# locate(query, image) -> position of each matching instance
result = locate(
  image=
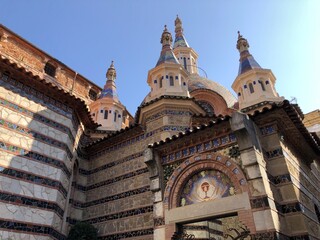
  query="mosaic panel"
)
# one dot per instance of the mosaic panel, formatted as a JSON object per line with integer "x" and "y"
{"x": 30, "y": 228}
{"x": 36, "y": 135}
{"x": 33, "y": 178}
{"x": 37, "y": 117}
{"x": 34, "y": 156}
{"x": 10, "y": 198}
{"x": 205, "y": 186}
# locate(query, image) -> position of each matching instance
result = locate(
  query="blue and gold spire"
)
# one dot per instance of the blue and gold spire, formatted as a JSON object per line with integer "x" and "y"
{"x": 110, "y": 90}
{"x": 180, "y": 40}
{"x": 247, "y": 61}
{"x": 166, "y": 54}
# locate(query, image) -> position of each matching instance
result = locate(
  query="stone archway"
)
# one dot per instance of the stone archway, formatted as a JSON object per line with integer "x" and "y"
{"x": 208, "y": 165}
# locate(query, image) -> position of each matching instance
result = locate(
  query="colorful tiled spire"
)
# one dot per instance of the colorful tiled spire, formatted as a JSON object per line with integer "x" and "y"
{"x": 180, "y": 40}
{"x": 110, "y": 90}
{"x": 247, "y": 62}
{"x": 166, "y": 54}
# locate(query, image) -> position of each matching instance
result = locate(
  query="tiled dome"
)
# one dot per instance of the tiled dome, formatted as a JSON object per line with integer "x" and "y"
{"x": 198, "y": 82}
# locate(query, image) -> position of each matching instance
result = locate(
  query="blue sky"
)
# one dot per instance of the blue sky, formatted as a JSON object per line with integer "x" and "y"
{"x": 284, "y": 36}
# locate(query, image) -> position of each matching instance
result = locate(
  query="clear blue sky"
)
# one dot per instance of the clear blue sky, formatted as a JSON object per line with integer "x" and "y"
{"x": 284, "y": 36}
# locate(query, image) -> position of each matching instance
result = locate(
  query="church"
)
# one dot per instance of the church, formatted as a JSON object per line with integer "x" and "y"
{"x": 194, "y": 161}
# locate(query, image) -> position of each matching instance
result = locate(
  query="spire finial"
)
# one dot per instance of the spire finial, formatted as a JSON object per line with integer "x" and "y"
{"x": 111, "y": 73}
{"x": 242, "y": 43}
{"x": 239, "y": 36}
{"x": 178, "y": 27}
{"x": 166, "y": 38}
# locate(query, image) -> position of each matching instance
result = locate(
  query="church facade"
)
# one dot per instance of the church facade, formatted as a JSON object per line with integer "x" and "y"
{"x": 194, "y": 162}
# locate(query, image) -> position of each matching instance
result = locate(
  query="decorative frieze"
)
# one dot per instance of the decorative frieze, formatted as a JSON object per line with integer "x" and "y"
{"x": 261, "y": 202}
{"x": 274, "y": 153}
{"x": 168, "y": 112}
{"x": 197, "y": 148}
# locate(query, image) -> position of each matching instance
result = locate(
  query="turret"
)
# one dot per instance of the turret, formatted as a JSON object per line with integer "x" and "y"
{"x": 107, "y": 110}
{"x": 168, "y": 77}
{"x": 253, "y": 84}
{"x": 186, "y": 56}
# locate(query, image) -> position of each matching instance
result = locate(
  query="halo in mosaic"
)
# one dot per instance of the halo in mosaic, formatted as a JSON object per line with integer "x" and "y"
{"x": 206, "y": 185}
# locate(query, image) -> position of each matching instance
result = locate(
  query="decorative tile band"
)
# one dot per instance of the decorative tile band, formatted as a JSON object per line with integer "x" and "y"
{"x": 37, "y": 117}
{"x": 110, "y": 181}
{"x": 168, "y": 112}
{"x": 39, "y": 98}
{"x": 34, "y": 156}
{"x": 33, "y": 178}
{"x": 214, "y": 143}
{"x": 30, "y": 228}
{"x": 110, "y": 198}
{"x": 137, "y": 233}
{"x": 36, "y": 135}
{"x": 158, "y": 222}
{"x": 266, "y": 130}
{"x": 111, "y": 164}
{"x": 129, "y": 213}
{"x": 274, "y": 153}
{"x": 30, "y": 202}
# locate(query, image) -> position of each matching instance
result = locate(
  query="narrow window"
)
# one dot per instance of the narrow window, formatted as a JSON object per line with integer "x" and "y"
{"x": 262, "y": 85}
{"x": 185, "y": 63}
{"x": 50, "y": 69}
{"x": 105, "y": 114}
{"x": 171, "y": 81}
{"x": 160, "y": 84}
{"x": 251, "y": 88}
{"x": 115, "y": 117}
{"x": 101, "y": 111}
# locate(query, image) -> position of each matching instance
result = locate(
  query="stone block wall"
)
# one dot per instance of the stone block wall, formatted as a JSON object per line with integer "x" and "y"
{"x": 37, "y": 149}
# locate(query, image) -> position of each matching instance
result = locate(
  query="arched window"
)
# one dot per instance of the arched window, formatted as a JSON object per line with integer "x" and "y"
{"x": 50, "y": 69}
{"x": 171, "y": 81}
{"x": 251, "y": 88}
{"x": 92, "y": 95}
{"x": 106, "y": 114}
{"x": 262, "y": 85}
{"x": 207, "y": 106}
